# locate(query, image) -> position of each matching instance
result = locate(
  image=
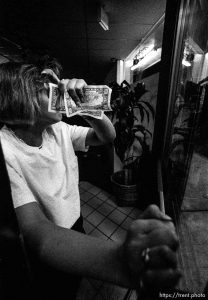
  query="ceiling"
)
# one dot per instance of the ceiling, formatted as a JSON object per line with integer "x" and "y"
{"x": 69, "y": 30}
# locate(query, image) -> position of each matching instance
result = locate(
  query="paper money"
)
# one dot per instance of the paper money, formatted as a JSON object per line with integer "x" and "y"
{"x": 98, "y": 114}
{"x": 56, "y": 100}
{"x": 96, "y": 101}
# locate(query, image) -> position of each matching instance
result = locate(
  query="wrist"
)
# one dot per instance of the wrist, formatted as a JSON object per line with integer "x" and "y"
{"x": 132, "y": 255}
{"x": 130, "y": 277}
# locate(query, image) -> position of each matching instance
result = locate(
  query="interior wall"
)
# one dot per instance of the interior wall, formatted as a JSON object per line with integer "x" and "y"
{"x": 111, "y": 75}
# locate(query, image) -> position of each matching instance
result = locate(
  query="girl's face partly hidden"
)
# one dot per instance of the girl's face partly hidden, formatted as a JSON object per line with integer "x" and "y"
{"x": 46, "y": 117}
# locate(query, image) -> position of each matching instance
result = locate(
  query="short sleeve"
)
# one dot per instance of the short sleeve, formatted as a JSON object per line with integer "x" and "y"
{"x": 21, "y": 193}
{"x": 77, "y": 135}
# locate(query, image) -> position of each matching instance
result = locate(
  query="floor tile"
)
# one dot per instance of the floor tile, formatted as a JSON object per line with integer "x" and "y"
{"x": 126, "y": 210}
{"x": 95, "y": 218}
{"x": 88, "y": 227}
{"x": 95, "y": 202}
{"x": 97, "y": 233}
{"x": 119, "y": 235}
{"x": 94, "y": 190}
{"x": 103, "y": 195}
{"x": 117, "y": 216}
{"x": 82, "y": 202}
{"x": 86, "y": 196}
{"x": 111, "y": 202}
{"x": 135, "y": 213}
{"x": 133, "y": 295}
{"x": 107, "y": 227}
{"x": 86, "y": 210}
{"x": 81, "y": 190}
{"x": 113, "y": 198}
{"x": 99, "y": 209}
{"x": 105, "y": 209}
{"x": 127, "y": 222}
{"x": 85, "y": 185}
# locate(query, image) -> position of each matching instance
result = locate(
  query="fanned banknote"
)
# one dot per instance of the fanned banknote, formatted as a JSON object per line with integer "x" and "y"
{"x": 96, "y": 101}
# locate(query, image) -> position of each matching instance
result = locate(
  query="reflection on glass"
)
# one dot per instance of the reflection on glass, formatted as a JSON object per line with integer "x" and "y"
{"x": 188, "y": 150}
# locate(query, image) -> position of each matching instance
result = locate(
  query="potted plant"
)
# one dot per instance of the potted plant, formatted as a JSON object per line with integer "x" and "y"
{"x": 131, "y": 117}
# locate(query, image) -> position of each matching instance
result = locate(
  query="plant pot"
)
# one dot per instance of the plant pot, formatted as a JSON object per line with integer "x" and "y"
{"x": 125, "y": 187}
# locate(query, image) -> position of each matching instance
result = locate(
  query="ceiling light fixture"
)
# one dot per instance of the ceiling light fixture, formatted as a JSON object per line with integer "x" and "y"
{"x": 136, "y": 61}
{"x": 103, "y": 18}
{"x": 148, "y": 60}
{"x": 188, "y": 59}
{"x": 188, "y": 55}
{"x": 186, "y": 63}
{"x": 142, "y": 53}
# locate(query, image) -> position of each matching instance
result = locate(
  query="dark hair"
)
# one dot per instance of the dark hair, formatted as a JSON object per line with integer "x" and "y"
{"x": 48, "y": 62}
{"x": 42, "y": 59}
{"x": 19, "y": 93}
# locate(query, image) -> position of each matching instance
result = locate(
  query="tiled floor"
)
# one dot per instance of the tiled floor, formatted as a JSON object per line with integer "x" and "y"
{"x": 104, "y": 219}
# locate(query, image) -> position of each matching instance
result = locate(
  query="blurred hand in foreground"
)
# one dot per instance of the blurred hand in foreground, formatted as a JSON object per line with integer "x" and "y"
{"x": 150, "y": 250}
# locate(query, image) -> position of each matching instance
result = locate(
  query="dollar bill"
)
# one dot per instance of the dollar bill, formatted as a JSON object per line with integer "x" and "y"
{"x": 98, "y": 114}
{"x": 96, "y": 101}
{"x": 56, "y": 100}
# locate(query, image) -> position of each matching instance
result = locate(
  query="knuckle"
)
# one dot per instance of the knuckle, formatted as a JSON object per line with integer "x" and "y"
{"x": 133, "y": 226}
{"x": 80, "y": 80}
{"x": 152, "y": 208}
{"x": 164, "y": 249}
{"x": 166, "y": 230}
{"x": 84, "y": 83}
{"x": 172, "y": 234}
{"x": 64, "y": 81}
{"x": 80, "y": 84}
{"x": 70, "y": 88}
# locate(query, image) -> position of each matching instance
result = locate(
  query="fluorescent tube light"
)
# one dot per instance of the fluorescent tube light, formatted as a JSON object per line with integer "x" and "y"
{"x": 104, "y": 25}
{"x": 103, "y": 18}
{"x": 134, "y": 67}
{"x": 150, "y": 59}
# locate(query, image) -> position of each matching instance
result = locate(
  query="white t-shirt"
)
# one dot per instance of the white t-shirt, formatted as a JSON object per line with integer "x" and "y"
{"x": 47, "y": 175}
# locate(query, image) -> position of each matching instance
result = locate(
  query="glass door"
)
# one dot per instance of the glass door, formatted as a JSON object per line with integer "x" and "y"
{"x": 185, "y": 155}
{"x": 181, "y": 138}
